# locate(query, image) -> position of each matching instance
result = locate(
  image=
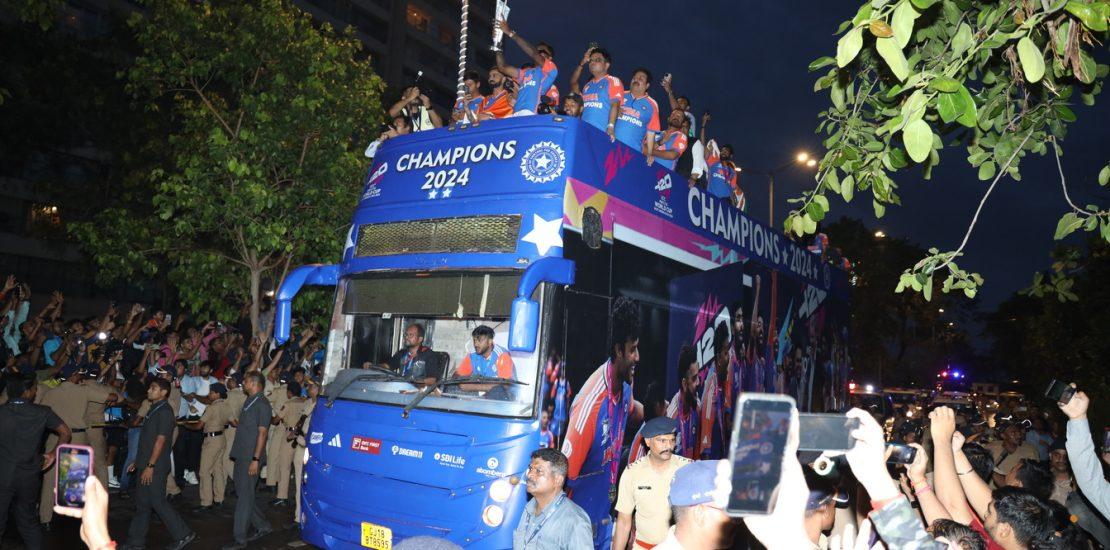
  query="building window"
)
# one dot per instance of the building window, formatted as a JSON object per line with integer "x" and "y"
{"x": 45, "y": 222}
{"x": 417, "y": 18}
{"x": 446, "y": 36}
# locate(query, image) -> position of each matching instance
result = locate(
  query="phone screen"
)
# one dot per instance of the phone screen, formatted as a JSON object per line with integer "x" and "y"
{"x": 825, "y": 432}
{"x": 1059, "y": 391}
{"x": 901, "y": 454}
{"x": 758, "y": 444}
{"x": 74, "y": 464}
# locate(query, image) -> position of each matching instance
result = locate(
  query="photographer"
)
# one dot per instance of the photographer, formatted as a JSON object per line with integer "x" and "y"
{"x": 417, "y": 109}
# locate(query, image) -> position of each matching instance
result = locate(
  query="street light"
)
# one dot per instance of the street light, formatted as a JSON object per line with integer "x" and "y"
{"x": 941, "y": 310}
{"x": 880, "y": 234}
{"x": 801, "y": 159}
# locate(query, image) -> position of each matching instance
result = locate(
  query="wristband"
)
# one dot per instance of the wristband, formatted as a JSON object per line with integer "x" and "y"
{"x": 924, "y": 482}
{"x": 108, "y": 546}
{"x": 150, "y": 466}
{"x": 924, "y": 489}
{"x": 965, "y": 473}
{"x": 611, "y": 125}
{"x": 254, "y": 459}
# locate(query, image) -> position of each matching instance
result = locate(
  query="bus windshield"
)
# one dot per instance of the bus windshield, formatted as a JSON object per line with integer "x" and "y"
{"x": 394, "y": 335}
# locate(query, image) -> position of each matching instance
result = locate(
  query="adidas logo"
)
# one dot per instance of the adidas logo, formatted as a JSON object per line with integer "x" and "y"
{"x": 335, "y": 442}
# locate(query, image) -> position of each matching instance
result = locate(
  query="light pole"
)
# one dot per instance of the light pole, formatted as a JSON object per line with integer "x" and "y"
{"x": 801, "y": 159}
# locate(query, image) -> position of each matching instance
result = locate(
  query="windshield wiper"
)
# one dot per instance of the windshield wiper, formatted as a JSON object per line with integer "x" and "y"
{"x": 377, "y": 373}
{"x": 476, "y": 379}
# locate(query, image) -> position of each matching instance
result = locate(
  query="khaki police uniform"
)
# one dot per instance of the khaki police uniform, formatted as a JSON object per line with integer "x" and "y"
{"x": 277, "y": 397}
{"x": 235, "y": 400}
{"x": 94, "y": 415}
{"x": 298, "y": 456}
{"x": 69, "y": 401}
{"x": 213, "y": 477}
{"x": 646, "y": 491}
{"x": 289, "y": 413}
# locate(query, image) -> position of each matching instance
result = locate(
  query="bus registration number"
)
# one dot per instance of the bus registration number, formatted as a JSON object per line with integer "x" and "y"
{"x": 376, "y": 536}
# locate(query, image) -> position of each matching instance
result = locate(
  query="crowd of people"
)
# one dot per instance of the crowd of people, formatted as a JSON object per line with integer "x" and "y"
{"x": 163, "y": 401}
{"x": 667, "y": 137}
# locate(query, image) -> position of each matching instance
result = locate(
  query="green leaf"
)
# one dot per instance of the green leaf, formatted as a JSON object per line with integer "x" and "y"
{"x": 1092, "y": 18}
{"x": 1067, "y": 225}
{"x": 963, "y": 41}
{"x": 914, "y": 107}
{"x": 821, "y": 62}
{"x": 918, "y": 138}
{"x": 987, "y": 170}
{"x": 833, "y": 183}
{"x": 1088, "y": 69}
{"x": 797, "y": 225}
{"x": 927, "y": 289}
{"x": 1032, "y": 60}
{"x": 970, "y": 116}
{"x": 848, "y": 46}
{"x": 890, "y": 52}
{"x": 880, "y": 210}
{"x": 1104, "y": 175}
{"x": 957, "y": 106}
{"x": 1066, "y": 114}
{"x": 902, "y": 23}
{"x": 945, "y": 84}
{"x": 808, "y": 224}
{"x": 836, "y": 94}
{"x": 814, "y": 212}
{"x": 863, "y": 15}
{"x": 848, "y": 188}
{"x": 923, "y": 4}
{"x": 822, "y": 201}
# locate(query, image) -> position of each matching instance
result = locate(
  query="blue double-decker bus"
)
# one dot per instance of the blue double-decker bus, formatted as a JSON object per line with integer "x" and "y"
{"x": 533, "y": 227}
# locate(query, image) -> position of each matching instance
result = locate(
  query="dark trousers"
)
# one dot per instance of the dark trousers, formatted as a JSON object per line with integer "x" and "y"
{"x": 246, "y": 509}
{"x": 186, "y": 455}
{"x": 20, "y": 494}
{"x": 152, "y": 498}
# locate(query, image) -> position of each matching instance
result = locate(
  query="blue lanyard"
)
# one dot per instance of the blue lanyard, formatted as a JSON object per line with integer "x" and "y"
{"x": 151, "y": 412}
{"x": 550, "y": 512}
{"x": 254, "y": 398}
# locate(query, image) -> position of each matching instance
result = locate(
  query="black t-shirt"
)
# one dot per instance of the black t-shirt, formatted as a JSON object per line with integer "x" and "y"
{"x": 424, "y": 365}
{"x": 21, "y": 429}
{"x": 159, "y": 421}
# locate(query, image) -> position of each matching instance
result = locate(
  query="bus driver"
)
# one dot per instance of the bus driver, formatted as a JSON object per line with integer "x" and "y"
{"x": 415, "y": 360}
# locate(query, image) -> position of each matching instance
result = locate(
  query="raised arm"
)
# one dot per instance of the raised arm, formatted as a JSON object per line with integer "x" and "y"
{"x": 410, "y": 94}
{"x": 977, "y": 491}
{"x": 704, "y": 123}
{"x": 1081, "y": 454}
{"x": 931, "y": 506}
{"x": 946, "y": 481}
{"x": 520, "y": 41}
{"x": 575, "y": 87}
{"x": 670, "y": 93}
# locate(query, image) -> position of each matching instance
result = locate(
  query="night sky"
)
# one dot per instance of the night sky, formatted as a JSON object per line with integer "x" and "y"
{"x": 746, "y": 62}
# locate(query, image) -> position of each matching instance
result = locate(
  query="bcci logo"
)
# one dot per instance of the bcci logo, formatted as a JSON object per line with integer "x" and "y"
{"x": 542, "y": 162}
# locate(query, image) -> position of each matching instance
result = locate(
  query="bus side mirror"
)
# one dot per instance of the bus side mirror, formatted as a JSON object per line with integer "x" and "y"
{"x": 524, "y": 325}
{"x": 524, "y": 322}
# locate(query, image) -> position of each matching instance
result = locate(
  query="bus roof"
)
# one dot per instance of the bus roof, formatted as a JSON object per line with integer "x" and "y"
{"x": 501, "y": 194}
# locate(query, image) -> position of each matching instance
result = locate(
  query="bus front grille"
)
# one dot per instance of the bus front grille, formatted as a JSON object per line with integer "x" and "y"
{"x": 441, "y": 235}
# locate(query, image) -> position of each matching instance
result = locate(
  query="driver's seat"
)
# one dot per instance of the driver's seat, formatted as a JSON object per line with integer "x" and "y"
{"x": 444, "y": 359}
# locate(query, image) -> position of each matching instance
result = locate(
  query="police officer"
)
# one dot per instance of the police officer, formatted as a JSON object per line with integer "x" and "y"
{"x": 69, "y": 400}
{"x": 94, "y": 419}
{"x": 235, "y": 400}
{"x": 645, "y": 487}
{"x": 152, "y": 465}
{"x": 213, "y": 478}
{"x": 285, "y": 425}
{"x": 22, "y": 424}
{"x": 247, "y": 452}
{"x": 300, "y": 440}
{"x": 277, "y": 396}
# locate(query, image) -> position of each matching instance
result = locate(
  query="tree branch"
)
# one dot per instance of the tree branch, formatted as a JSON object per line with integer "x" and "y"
{"x": 212, "y": 108}
{"x": 983, "y": 201}
{"x": 1063, "y": 182}
{"x": 239, "y": 123}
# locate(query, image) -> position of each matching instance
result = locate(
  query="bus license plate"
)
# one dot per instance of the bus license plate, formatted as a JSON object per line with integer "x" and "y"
{"x": 376, "y": 536}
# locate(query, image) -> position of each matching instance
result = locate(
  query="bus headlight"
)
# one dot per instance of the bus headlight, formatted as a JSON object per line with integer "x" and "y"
{"x": 493, "y": 515}
{"x": 500, "y": 490}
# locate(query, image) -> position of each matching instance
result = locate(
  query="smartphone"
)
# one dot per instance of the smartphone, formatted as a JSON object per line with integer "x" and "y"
{"x": 902, "y": 454}
{"x": 74, "y": 466}
{"x": 1106, "y": 441}
{"x": 1059, "y": 392}
{"x": 826, "y": 432}
{"x": 757, "y": 451}
{"x": 169, "y": 318}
